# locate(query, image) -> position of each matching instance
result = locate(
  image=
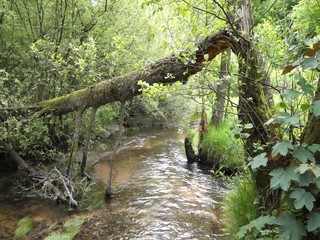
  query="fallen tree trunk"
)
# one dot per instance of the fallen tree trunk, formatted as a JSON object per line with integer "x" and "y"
{"x": 14, "y": 155}
{"x": 168, "y": 70}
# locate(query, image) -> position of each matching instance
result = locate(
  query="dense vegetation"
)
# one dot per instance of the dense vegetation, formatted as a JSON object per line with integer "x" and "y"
{"x": 262, "y": 93}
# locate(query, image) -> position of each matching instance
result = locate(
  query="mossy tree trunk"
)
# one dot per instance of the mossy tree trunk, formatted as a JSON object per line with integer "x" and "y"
{"x": 311, "y": 133}
{"x": 75, "y": 142}
{"x": 168, "y": 70}
{"x": 254, "y": 105}
{"x": 218, "y": 108}
{"x": 87, "y": 139}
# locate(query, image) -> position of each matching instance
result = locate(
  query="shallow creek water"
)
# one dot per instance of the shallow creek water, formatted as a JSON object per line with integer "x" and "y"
{"x": 158, "y": 195}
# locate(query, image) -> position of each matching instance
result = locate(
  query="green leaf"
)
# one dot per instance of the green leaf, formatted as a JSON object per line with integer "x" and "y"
{"x": 260, "y": 160}
{"x": 290, "y": 227}
{"x": 305, "y": 106}
{"x": 314, "y": 148}
{"x": 294, "y": 120}
{"x": 303, "y": 168}
{"x": 310, "y": 62}
{"x": 302, "y": 154}
{"x": 291, "y": 94}
{"x": 315, "y": 169}
{"x": 313, "y": 222}
{"x": 282, "y": 178}
{"x": 302, "y": 198}
{"x": 306, "y": 179}
{"x": 260, "y": 222}
{"x": 315, "y": 108}
{"x": 282, "y": 148}
{"x": 305, "y": 86}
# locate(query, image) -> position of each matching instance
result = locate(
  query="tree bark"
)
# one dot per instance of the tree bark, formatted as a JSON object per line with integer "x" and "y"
{"x": 14, "y": 155}
{"x": 219, "y": 105}
{"x": 75, "y": 142}
{"x": 311, "y": 132}
{"x": 168, "y": 70}
{"x": 87, "y": 140}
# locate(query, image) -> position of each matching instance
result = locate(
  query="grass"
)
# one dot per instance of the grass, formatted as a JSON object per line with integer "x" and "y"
{"x": 70, "y": 230}
{"x": 25, "y": 225}
{"x": 220, "y": 146}
{"x": 239, "y": 206}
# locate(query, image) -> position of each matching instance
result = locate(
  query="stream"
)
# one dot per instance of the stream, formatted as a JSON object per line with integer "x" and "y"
{"x": 157, "y": 195}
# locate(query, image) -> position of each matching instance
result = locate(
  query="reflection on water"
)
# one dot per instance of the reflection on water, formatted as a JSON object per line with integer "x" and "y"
{"x": 158, "y": 196}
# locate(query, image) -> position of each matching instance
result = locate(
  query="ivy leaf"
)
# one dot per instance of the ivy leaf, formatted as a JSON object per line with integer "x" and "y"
{"x": 302, "y": 198}
{"x": 303, "y": 154}
{"x": 314, "y": 148}
{"x": 282, "y": 178}
{"x": 313, "y": 222}
{"x": 310, "y": 62}
{"x": 315, "y": 108}
{"x": 290, "y": 227}
{"x": 260, "y": 160}
{"x": 282, "y": 148}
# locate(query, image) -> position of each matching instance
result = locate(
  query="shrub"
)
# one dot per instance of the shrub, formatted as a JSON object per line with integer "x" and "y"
{"x": 220, "y": 146}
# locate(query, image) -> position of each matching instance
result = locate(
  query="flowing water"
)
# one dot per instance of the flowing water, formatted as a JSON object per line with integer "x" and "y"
{"x": 157, "y": 194}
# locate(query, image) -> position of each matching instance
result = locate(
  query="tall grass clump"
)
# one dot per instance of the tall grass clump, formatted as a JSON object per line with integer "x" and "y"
{"x": 240, "y": 205}
{"x": 220, "y": 146}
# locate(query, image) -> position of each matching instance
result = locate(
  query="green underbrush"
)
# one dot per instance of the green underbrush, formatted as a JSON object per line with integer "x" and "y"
{"x": 220, "y": 146}
{"x": 240, "y": 205}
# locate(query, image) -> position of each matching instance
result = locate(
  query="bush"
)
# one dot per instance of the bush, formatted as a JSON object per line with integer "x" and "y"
{"x": 220, "y": 146}
{"x": 240, "y": 205}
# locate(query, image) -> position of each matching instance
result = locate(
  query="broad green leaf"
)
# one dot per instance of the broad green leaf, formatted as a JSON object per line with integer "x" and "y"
{"x": 305, "y": 106}
{"x": 260, "y": 160}
{"x": 302, "y": 198}
{"x": 260, "y": 222}
{"x": 242, "y": 232}
{"x": 313, "y": 222}
{"x": 315, "y": 108}
{"x": 294, "y": 120}
{"x": 306, "y": 179}
{"x": 310, "y": 62}
{"x": 305, "y": 86}
{"x": 303, "y": 168}
{"x": 281, "y": 148}
{"x": 282, "y": 178}
{"x": 290, "y": 227}
{"x": 291, "y": 94}
{"x": 315, "y": 169}
{"x": 314, "y": 148}
{"x": 302, "y": 154}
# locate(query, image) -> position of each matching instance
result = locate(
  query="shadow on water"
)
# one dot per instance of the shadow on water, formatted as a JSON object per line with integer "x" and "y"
{"x": 157, "y": 195}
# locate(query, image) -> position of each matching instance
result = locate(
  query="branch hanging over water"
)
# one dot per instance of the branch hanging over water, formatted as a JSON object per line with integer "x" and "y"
{"x": 168, "y": 70}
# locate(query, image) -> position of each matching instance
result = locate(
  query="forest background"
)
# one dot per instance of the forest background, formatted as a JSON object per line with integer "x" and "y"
{"x": 266, "y": 91}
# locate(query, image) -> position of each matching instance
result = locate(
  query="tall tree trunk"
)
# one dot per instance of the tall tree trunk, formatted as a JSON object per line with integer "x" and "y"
{"x": 253, "y": 104}
{"x": 75, "y": 142}
{"x": 219, "y": 104}
{"x": 311, "y": 133}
